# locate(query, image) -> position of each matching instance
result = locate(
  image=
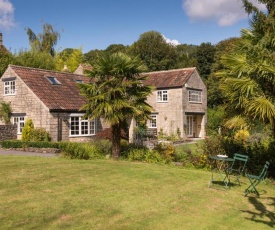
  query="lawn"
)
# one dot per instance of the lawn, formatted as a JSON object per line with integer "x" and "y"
{"x": 58, "y": 193}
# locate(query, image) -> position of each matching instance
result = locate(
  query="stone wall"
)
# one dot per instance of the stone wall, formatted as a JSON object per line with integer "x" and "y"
{"x": 8, "y": 132}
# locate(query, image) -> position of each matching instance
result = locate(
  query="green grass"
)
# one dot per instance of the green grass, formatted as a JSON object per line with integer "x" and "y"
{"x": 57, "y": 193}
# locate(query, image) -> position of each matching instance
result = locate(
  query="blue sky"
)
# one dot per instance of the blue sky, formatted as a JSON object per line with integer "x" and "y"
{"x": 96, "y": 24}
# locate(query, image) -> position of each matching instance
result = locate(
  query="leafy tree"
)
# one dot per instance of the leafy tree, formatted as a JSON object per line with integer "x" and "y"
{"x": 5, "y": 111}
{"x": 153, "y": 50}
{"x": 249, "y": 74}
{"x": 92, "y": 56}
{"x": 186, "y": 56}
{"x": 117, "y": 93}
{"x": 215, "y": 96}
{"x": 69, "y": 57}
{"x": 35, "y": 59}
{"x": 44, "y": 42}
{"x": 5, "y": 60}
{"x": 115, "y": 48}
{"x": 205, "y": 58}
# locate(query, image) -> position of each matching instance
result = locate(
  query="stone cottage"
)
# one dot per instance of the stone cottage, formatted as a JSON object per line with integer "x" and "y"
{"x": 51, "y": 99}
{"x": 179, "y": 103}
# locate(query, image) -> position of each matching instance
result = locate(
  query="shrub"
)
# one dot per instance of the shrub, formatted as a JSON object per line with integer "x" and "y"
{"x": 75, "y": 150}
{"x": 104, "y": 146}
{"x": 27, "y": 131}
{"x": 40, "y": 134}
{"x": 144, "y": 155}
{"x": 26, "y": 144}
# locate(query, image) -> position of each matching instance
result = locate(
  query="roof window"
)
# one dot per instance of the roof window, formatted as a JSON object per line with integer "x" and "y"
{"x": 53, "y": 80}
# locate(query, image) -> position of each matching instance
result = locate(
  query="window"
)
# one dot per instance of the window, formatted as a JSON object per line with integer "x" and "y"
{"x": 53, "y": 80}
{"x": 9, "y": 88}
{"x": 195, "y": 96}
{"x": 20, "y": 122}
{"x": 162, "y": 96}
{"x": 81, "y": 127}
{"x": 78, "y": 81}
{"x": 153, "y": 122}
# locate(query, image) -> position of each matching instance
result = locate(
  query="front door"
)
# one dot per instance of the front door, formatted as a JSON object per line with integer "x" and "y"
{"x": 190, "y": 125}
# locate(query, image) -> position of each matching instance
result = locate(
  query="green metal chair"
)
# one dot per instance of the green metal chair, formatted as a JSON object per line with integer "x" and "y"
{"x": 255, "y": 180}
{"x": 237, "y": 167}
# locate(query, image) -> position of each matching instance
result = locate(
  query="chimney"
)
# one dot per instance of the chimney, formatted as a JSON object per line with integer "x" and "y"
{"x": 1, "y": 39}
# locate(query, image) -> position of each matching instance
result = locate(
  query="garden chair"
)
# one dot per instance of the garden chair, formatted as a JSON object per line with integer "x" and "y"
{"x": 255, "y": 180}
{"x": 237, "y": 167}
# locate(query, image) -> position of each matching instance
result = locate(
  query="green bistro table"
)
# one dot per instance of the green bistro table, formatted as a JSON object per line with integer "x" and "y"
{"x": 220, "y": 162}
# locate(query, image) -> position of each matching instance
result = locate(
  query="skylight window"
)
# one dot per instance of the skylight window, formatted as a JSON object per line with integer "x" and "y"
{"x": 78, "y": 81}
{"x": 53, "y": 80}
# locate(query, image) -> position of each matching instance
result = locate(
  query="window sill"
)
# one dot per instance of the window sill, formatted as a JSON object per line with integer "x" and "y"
{"x": 85, "y": 135}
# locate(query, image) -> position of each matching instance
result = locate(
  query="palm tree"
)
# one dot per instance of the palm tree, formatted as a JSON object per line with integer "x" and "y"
{"x": 249, "y": 74}
{"x": 117, "y": 93}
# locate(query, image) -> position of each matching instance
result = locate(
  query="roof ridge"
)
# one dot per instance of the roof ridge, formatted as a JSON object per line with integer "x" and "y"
{"x": 170, "y": 70}
{"x": 44, "y": 70}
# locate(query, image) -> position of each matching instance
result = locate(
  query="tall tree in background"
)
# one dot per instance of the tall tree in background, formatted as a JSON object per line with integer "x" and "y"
{"x": 249, "y": 74}
{"x": 5, "y": 60}
{"x": 154, "y": 51}
{"x": 117, "y": 93}
{"x": 69, "y": 57}
{"x": 186, "y": 56}
{"x": 44, "y": 42}
{"x": 35, "y": 59}
{"x": 215, "y": 96}
{"x": 205, "y": 58}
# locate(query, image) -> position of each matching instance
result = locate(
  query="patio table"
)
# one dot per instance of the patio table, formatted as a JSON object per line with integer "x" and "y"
{"x": 220, "y": 163}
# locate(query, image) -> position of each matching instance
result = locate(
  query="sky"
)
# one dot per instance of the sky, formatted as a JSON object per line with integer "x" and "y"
{"x": 96, "y": 24}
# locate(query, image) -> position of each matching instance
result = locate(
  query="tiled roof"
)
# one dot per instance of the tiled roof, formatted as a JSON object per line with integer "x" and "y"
{"x": 65, "y": 96}
{"x": 169, "y": 78}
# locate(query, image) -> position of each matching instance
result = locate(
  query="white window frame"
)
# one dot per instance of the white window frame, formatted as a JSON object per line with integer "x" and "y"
{"x": 20, "y": 122}
{"x": 81, "y": 127}
{"x": 153, "y": 122}
{"x": 9, "y": 87}
{"x": 162, "y": 96}
{"x": 195, "y": 96}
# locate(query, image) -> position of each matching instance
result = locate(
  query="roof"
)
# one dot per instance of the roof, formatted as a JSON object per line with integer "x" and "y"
{"x": 64, "y": 96}
{"x": 169, "y": 78}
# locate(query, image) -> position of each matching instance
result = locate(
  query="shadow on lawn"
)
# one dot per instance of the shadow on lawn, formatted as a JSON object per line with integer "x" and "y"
{"x": 262, "y": 211}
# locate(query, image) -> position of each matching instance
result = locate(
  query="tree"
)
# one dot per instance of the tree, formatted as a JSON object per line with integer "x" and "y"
{"x": 205, "y": 58}
{"x": 5, "y": 60}
{"x": 5, "y": 111}
{"x": 215, "y": 96}
{"x": 117, "y": 93}
{"x": 92, "y": 56}
{"x": 35, "y": 59}
{"x": 186, "y": 56}
{"x": 154, "y": 51}
{"x": 115, "y": 48}
{"x": 69, "y": 57}
{"x": 249, "y": 73}
{"x": 44, "y": 42}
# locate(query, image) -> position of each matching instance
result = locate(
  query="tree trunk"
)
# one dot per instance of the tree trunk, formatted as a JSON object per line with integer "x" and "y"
{"x": 116, "y": 137}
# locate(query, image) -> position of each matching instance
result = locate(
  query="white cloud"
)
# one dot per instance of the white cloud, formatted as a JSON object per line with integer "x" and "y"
{"x": 6, "y": 14}
{"x": 225, "y": 12}
{"x": 173, "y": 42}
